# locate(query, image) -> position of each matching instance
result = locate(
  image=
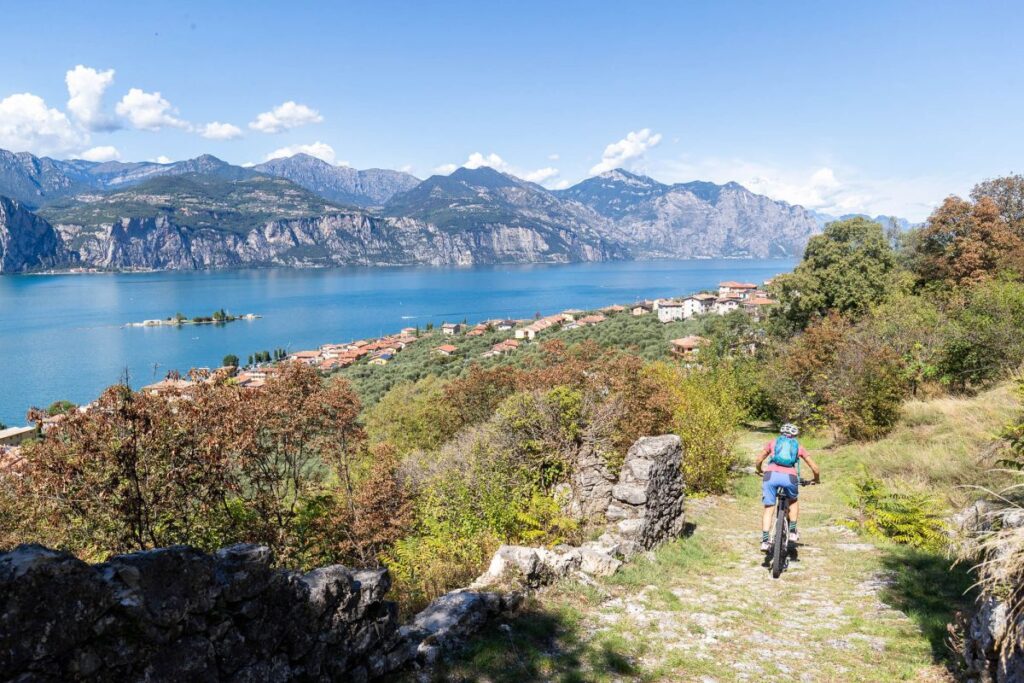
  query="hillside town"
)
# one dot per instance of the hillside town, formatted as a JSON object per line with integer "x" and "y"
{"x": 330, "y": 357}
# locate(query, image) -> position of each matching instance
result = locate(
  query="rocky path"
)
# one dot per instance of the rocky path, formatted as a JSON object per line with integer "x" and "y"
{"x": 705, "y": 609}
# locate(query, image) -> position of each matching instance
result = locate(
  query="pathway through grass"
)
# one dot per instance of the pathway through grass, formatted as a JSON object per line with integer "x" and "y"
{"x": 703, "y": 608}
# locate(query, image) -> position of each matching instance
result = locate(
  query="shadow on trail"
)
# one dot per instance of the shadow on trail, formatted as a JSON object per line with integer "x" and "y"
{"x": 538, "y": 645}
{"x": 928, "y": 590}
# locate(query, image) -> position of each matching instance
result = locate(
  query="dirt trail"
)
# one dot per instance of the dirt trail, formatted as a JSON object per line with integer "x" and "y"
{"x": 703, "y": 608}
{"x": 726, "y": 619}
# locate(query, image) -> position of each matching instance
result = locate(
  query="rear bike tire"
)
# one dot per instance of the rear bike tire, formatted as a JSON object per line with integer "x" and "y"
{"x": 779, "y": 546}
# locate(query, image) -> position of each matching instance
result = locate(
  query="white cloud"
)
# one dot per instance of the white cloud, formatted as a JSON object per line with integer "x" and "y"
{"x": 220, "y": 131}
{"x": 284, "y": 117}
{"x": 407, "y": 168}
{"x": 28, "y": 125}
{"x": 554, "y": 157}
{"x": 102, "y": 153}
{"x": 149, "y": 111}
{"x": 547, "y": 176}
{"x": 478, "y": 160}
{"x": 86, "y": 87}
{"x": 163, "y": 160}
{"x": 320, "y": 150}
{"x": 634, "y": 145}
{"x": 541, "y": 175}
{"x": 832, "y": 189}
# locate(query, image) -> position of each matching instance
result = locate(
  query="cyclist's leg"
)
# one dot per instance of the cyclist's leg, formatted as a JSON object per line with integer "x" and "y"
{"x": 768, "y": 500}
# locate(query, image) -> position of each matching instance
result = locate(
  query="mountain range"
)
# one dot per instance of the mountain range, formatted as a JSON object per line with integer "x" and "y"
{"x": 303, "y": 212}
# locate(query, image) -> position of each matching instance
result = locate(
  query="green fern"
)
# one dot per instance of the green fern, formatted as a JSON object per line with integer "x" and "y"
{"x": 905, "y": 517}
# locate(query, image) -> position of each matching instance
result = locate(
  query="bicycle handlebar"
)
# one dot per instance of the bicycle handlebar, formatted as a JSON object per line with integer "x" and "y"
{"x": 803, "y": 482}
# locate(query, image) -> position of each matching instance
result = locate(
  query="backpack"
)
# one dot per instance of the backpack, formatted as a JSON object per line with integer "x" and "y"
{"x": 787, "y": 451}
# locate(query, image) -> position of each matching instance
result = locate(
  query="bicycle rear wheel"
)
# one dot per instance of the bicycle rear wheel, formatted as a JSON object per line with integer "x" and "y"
{"x": 780, "y": 542}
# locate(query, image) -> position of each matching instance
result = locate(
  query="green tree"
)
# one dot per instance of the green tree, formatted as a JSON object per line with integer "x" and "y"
{"x": 413, "y": 415}
{"x": 846, "y": 269}
{"x": 230, "y": 360}
{"x": 60, "y": 407}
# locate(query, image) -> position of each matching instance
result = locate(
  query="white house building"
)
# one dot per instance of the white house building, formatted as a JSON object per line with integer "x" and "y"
{"x": 669, "y": 311}
{"x": 723, "y": 306}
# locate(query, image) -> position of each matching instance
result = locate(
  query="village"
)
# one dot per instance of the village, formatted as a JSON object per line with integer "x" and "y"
{"x": 331, "y": 357}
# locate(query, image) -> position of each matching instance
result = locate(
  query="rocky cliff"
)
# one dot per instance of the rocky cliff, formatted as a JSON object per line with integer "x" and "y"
{"x": 694, "y": 220}
{"x": 27, "y": 242}
{"x": 338, "y": 239}
{"x": 303, "y": 212}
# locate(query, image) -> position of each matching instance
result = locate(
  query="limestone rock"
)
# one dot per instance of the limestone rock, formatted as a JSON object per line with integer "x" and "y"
{"x": 180, "y": 614}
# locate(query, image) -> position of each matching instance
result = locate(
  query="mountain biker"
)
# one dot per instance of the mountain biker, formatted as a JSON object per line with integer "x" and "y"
{"x": 784, "y": 454}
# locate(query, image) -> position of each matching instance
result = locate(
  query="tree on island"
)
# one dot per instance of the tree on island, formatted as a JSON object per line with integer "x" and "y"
{"x": 230, "y": 361}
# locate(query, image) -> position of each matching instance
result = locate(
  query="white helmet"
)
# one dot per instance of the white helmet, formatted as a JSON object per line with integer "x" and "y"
{"x": 789, "y": 429}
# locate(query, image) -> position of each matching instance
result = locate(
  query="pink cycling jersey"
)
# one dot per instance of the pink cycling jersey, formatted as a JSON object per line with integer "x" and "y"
{"x": 769, "y": 448}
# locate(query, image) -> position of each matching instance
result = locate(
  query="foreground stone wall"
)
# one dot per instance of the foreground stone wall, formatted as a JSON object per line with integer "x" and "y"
{"x": 178, "y": 614}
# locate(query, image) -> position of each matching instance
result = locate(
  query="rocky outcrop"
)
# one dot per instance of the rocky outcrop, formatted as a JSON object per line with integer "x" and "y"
{"x": 27, "y": 242}
{"x": 991, "y": 648}
{"x": 988, "y": 654}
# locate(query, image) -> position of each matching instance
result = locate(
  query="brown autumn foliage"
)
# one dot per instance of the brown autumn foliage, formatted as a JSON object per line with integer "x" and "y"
{"x": 213, "y": 465}
{"x": 476, "y": 396}
{"x": 967, "y": 242}
{"x": 1008, "y": 194}
{"x": 381, "y": 512}
{"x": 839, "y": 374}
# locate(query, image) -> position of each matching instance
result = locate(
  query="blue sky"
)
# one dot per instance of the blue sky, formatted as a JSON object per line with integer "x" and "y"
{"x": 869, "y": 106}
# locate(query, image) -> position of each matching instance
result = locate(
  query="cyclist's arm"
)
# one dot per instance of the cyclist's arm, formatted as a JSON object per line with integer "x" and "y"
{"x": 813, "y": 465}
{"x": 760, "y": 459}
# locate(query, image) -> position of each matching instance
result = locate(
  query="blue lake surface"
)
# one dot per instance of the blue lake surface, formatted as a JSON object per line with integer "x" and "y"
{"x": 63, "y": 336}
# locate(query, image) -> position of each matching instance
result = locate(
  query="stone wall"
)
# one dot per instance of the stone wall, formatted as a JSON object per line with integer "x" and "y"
{"x": 643, "y": 507}
{"x": 988, "y": 656}
{"x": 176, "y": 614}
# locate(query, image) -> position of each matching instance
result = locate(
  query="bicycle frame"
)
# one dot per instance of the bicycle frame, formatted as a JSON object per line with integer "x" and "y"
{"x": 778, "y": 551}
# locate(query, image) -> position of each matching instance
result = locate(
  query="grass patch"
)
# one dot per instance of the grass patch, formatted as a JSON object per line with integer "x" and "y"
{"x": 927, "y": 589}
{"x": 545, "y": 644}
{"x": 671, "y": 559}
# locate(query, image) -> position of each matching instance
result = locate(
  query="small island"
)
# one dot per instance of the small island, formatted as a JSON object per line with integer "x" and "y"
{"x": 217, "y": 318}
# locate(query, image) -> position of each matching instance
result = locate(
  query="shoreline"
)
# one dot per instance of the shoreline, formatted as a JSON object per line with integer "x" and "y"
{"x": 637, "y": 285}
{"x": 386, "y": 266}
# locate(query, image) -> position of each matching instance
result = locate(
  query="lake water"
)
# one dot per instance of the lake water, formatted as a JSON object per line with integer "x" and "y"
{"x": 63, "y": 336}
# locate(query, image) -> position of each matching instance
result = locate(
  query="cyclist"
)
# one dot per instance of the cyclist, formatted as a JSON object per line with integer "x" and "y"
{"x": 783, "y": 470}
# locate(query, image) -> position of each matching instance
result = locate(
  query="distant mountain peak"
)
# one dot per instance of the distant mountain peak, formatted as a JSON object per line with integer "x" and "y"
{"x": 621, "y": 175}
{"x": 372, "y": 187}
